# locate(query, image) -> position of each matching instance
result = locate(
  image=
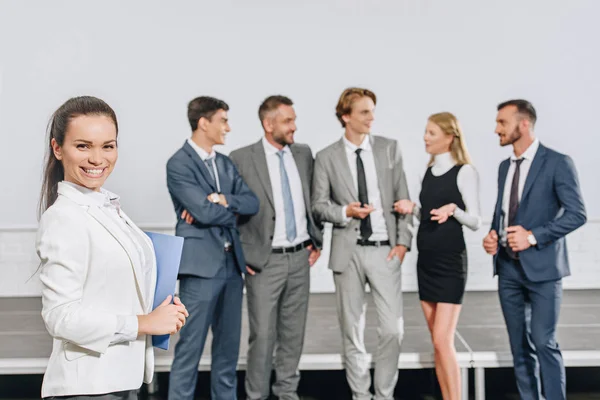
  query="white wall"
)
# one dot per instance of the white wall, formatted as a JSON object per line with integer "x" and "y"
{"x": 149, "y": 58}
{"x": 18, "y": 263}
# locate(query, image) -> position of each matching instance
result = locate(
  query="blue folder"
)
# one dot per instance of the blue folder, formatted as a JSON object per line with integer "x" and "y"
{"x": 168, "y": 250}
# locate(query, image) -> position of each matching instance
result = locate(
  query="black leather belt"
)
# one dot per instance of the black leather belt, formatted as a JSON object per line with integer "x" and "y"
{"x": 375, "y": 243}
{"x": 292, "y": 249}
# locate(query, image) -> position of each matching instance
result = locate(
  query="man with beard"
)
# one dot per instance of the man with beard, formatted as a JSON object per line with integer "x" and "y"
{"x": 539, "y": 203}
{"x": 281, "y": 242}
{"x": 357, "y": 179}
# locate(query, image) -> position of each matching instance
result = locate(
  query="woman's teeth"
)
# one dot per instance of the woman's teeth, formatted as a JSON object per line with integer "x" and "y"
{"x": 94, "y": 171}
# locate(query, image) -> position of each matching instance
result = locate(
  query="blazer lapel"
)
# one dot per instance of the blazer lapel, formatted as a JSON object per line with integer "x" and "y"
{"x": 503, "y": 172}
{"x": 259, "y": 159}
{"x": 223, "y": 176}
{"x": 344, "y": 169}
{"x": 502, "y": 181}
{"x": 119, "y": 235}
{"x": 201, "y": 165}
{"x": 534, "y": 170}
{"x": 381, "y": 163}
{"x": 303, "y": 170}
{"x": 150, "y": 296}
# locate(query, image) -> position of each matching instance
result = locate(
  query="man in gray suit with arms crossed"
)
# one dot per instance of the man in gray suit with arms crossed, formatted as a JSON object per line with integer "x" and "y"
{"x": 281, "y": 242}
{"x": 356, "y": 182}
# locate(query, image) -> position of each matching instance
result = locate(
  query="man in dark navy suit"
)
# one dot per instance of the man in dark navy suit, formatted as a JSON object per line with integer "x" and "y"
{"x": 208, "y": 194}
{"x": 539, "y": 203}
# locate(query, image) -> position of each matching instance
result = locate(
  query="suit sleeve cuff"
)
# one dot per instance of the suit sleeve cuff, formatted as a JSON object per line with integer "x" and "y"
{"x": 404, "y": 240}
{"x": 345, "y": 218}
{"x": 540, "y": 237}
{"x": 231, "y": 203}
{"x": 127, "y": 329}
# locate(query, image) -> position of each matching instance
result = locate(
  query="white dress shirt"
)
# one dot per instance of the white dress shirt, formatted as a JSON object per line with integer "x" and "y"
{"x": 377, "y": 220}
{"x": 468, "y": 186}
{"x": 280, "y": 236}
{"x": 527, "y": 157}
{"x": 127, "y": 326}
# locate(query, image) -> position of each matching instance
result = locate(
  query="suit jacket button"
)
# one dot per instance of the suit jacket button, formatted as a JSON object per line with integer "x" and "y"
{"x": 273, "y": 218}
{"x": 271, "y": 237}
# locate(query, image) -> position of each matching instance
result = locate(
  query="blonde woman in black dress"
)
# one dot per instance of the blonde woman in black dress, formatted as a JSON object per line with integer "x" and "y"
{"x": 449, "y": 199}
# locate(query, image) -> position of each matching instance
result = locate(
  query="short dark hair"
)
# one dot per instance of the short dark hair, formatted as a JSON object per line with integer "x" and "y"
{"x": 524, "y": 108}
{"x": 271, "y": 103}
{"x": 204, "y": 106}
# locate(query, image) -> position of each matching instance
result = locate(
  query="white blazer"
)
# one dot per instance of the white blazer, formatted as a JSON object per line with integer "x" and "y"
{"x": 90, "y": 275}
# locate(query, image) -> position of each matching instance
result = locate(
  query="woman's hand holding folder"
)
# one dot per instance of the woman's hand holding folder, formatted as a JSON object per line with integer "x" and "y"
{"x": 166, "y": 319}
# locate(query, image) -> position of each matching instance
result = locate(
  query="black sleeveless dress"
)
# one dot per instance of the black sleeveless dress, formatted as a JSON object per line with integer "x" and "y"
{"x": 442, "y": 262}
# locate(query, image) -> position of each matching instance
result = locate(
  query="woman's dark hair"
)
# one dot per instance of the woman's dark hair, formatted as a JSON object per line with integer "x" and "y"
{"x": 57, "y": 129}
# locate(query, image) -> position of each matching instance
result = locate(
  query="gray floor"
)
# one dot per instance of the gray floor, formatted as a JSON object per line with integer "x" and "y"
{"x": 323, "y": 333}
{"x": 481, "y": 325}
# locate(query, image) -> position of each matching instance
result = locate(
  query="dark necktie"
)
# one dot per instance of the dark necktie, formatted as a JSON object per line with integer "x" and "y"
{"x": 365, "y": 223}
{"x": 513, "y": 203}
{"x": 209, "y": 165}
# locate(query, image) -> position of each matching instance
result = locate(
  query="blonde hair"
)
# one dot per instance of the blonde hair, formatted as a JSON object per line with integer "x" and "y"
{"x": 347, "y": 98}
{"x": 448, "y": 123}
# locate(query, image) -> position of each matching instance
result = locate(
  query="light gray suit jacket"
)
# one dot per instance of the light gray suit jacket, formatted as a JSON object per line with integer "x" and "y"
{"x": 334, "y": 188}
{"x": 256, "y": 232}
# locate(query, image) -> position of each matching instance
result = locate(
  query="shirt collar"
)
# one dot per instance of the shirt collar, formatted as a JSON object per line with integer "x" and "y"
{"x": 530, "y": 152}
{"x": 272, "y": 150}
{"x": 365, "y": 145}
{"x": 201, "y": 152}
{"x": 100, "y": 199}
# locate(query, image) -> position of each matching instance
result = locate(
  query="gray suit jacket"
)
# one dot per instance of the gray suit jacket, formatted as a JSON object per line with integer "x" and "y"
{"x": 256, "y": 232}
{"x": 334, "y": 188}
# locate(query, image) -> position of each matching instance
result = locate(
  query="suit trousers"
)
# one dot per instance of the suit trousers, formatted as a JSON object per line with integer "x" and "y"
{"x": 215, "y": 303}
{"x": 369, "y": 264}
{"x": 531, "y": 312}
{"x": 277, "y": 309}
{"x": 124, "y": 395}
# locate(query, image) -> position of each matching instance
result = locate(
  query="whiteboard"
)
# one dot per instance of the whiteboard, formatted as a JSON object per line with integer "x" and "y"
{"x": 147, "y": 59}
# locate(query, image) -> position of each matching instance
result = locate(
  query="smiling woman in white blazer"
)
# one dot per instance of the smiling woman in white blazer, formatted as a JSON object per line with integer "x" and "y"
{"x": 98, "y": 269}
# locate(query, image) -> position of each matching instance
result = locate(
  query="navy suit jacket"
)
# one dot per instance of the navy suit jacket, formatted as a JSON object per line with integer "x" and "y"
{"x": 551, "y": 206}
{"x": 190, "y": 183}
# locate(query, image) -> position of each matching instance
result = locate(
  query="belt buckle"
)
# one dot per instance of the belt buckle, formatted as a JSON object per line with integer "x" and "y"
{"x": 377, "y": 243}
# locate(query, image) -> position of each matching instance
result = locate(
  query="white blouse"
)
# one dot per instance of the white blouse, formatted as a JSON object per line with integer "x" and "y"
{"x": 468, "y": 186}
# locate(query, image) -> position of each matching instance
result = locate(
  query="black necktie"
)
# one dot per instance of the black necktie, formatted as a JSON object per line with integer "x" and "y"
{"x": 513, "y": 203}
{"x": 365, "y": 223}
